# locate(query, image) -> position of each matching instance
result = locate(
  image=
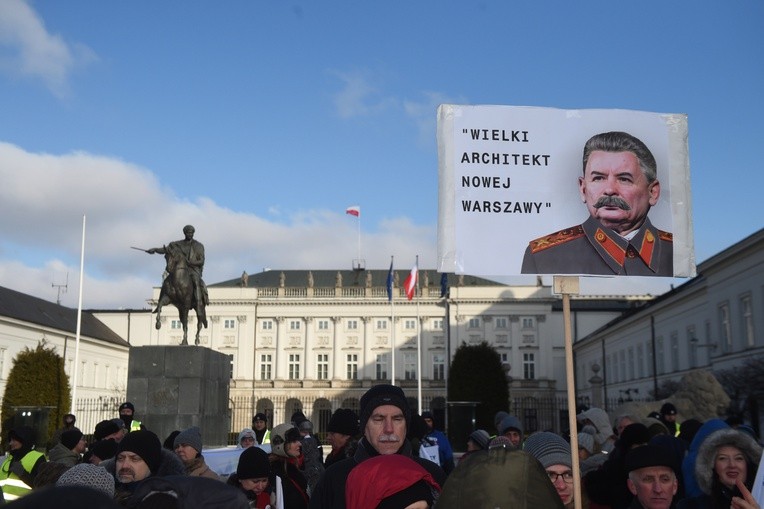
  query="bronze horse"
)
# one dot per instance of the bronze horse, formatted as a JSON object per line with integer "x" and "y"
{"x": 178, "y": 290}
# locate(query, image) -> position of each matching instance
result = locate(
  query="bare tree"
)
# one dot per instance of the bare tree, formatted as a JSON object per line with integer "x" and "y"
{"x": 745, "y": 387}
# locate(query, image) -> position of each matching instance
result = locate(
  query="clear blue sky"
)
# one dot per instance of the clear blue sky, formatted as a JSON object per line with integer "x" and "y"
{"x": 260, "y": 122}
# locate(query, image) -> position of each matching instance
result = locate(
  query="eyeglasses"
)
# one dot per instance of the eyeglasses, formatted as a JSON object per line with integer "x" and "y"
{"x": 567, "y": 477}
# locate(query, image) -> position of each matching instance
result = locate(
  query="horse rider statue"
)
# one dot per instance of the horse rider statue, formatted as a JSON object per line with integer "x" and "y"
{"x": 188, "y": 253}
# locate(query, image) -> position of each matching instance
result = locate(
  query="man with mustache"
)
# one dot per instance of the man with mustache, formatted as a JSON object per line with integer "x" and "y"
{"x": 619, "y": 185}
{"x": 140, "y": 455}
{"x": 385, "y": 415}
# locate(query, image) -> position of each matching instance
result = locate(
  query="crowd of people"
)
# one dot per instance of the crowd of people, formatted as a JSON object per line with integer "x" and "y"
{"x": 389, "y": 457}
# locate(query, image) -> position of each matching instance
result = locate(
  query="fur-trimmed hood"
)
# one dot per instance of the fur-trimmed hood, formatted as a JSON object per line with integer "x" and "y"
{"x": 704, "y": 465}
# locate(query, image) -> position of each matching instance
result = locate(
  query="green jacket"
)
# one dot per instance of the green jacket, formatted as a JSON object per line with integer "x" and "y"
{"x": 499, "y": 478}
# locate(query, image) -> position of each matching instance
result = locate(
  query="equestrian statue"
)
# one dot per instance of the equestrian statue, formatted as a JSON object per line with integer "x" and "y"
{"x": 183, "y": 285}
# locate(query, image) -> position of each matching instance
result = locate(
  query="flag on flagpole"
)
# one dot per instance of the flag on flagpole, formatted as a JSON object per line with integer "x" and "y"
{"x": 390, "y": 281}
{"x": 443, "y": 284}
{"x": 411, "y": 282}
{"x": 355, "y": 210}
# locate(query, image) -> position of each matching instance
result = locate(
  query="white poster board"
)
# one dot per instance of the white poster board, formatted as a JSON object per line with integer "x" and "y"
{"x": 509, "y": 176}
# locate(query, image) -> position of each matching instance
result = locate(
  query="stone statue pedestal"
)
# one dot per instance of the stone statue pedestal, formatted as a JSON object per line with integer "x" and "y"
{"x": 176, "y": 387}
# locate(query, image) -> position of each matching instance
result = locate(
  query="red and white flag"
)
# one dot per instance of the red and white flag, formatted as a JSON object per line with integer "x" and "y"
{"x": 410, "y": 284}
{"x": 355, "y": 210}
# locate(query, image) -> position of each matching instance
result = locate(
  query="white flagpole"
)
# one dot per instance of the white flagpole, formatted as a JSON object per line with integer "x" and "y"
{"x": 418, "y": 342}
{"x": 359, "y": 239}
{"x": 79, "y": 322}
{"x": 392, "y": 324}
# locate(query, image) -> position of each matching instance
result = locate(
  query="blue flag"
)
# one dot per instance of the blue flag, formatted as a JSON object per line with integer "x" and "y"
{"x": 443, "y": 284}
{"x": 390, "y": 282}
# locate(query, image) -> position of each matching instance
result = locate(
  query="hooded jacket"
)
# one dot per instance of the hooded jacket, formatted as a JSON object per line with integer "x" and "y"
{"x": 192, "y": 492}
{"x": 691, "y": 487}
{"x": 499, "y": 478}
{"x": 714, "y": 493}
{"x": 704, "y": 466}
{"x": 60, "y": 454}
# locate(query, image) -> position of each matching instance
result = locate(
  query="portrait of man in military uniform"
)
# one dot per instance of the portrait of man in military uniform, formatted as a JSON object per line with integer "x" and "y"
{"x": 618, "y": 186}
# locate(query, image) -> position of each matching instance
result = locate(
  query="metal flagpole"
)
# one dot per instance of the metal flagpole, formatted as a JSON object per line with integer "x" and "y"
{"x": 391, "y": 296}
{"x": 418, "y": 342}
{"x": 359, "y": 238}
{"x": 79, "y": 322}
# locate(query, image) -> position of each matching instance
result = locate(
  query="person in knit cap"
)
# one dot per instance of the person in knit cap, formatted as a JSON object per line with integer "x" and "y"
{"x": 140, "y": 455}
{"x": 108, "y": 430}
{"x": 254, "y": 478}
{"x": 497, "y": 418}
{"x": 342, "y": 430}
{"x": 553, "y": 452}
{"x": 70, "y": 448}
{"x": 511, "y": 428}
{"x": 246, "y": 438}
{"x": 260, "y": 426}
{"x": 169, "y": 442}
{"x": 391, "y": 481}
{"x": 607, "y": 485}
{"x": 478, "y": 440}
{"x": 286, "y": 445}
{"x": 384, "y": 419}
{"x": 188, "y": 447}
{"x": 101, "y": 450}
{"x": 21, "y": 464}
{"x": 88, "y": 475}
{"x": 127, "y": 414}
{"x": 652, "y": 479}
{"x": 668, "y": 418}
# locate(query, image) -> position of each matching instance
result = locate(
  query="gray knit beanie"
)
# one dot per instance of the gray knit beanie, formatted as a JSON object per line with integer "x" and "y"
{"x": 510, "y": 422}
{"x": 191, "y": 436}
{"x": 87, "y": 474}
{"x": 549, "y": 449}
{"x": 480, "y": 437}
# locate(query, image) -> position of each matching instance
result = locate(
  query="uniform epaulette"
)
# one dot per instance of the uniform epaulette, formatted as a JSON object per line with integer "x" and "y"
{"x": 665, "y": 236}
{"x": 557, "y": 238}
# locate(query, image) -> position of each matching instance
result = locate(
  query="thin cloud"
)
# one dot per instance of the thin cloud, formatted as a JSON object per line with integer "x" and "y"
{"x": 358, "y": 97}
{"x": 423, "y": 114}
{"x": 34, "y": 52}
{"x": 44, "y": 196}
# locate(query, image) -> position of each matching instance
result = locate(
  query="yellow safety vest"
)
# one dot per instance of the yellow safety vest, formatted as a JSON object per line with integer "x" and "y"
{"x": 11, "y": 484}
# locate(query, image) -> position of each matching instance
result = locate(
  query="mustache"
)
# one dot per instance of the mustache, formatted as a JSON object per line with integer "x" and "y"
{"x": 612, "y": 201}
{"x": 126, "y": 471}
{"x": 389, "y": 438}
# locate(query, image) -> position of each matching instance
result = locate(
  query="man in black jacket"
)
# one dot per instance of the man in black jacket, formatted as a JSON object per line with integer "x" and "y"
{"x": 384, "y": 420}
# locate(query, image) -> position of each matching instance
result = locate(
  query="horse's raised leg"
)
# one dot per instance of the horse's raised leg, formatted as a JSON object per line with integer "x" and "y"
{"x": 163, "y": 300}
